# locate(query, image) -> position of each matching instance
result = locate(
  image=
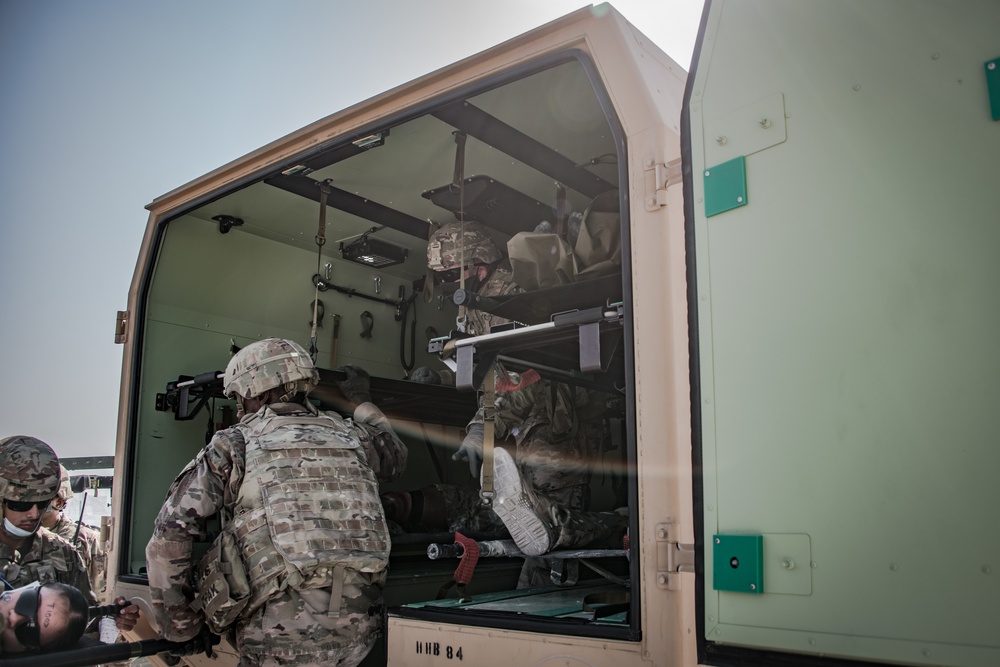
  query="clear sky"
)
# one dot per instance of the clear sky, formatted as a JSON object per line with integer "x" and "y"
{"x": 107, "y": 104}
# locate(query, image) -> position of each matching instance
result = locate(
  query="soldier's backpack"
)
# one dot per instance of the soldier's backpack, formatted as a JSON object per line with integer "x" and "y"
{"x": 540, "y": 260}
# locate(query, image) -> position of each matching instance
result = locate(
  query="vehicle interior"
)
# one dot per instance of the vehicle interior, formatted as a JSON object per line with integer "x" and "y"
{"x": 338, "y": 237}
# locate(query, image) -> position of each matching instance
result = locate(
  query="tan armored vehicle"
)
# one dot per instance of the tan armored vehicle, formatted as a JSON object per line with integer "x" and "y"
{"x": 792, "y": 328}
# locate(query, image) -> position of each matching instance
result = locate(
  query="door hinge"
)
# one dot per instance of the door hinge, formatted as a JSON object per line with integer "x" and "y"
{"x": 672, "y": 556}
{"x": 121, "y": 327}
{"x": 659, "y": 177}
{"x": 107, "y": 538}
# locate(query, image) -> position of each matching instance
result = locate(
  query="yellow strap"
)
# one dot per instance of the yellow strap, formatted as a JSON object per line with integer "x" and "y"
{"x": 324, "y": 191}
{"x": 489, "y": 411}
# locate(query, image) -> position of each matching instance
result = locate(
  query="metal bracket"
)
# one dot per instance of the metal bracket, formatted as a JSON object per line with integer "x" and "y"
{"x": 672, "y": 556}
{"x": 659, "y": 176}
{"x": 121, "y": 327}
{"x": 564, "y": 572}
{"x": 474, "y": 353}
{"x": 187, "y": 391}
{"x": 107, "y": 533}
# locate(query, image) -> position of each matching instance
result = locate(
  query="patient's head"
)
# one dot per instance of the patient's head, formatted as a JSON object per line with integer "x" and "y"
{"x": 46, "y": 617}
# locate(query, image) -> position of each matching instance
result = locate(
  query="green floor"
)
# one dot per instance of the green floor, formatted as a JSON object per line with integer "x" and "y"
{"x": 552, "y": 602}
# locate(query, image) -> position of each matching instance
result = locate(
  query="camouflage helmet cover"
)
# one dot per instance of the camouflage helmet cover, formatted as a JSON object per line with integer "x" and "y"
{"x": 65, "y": 485}
{"x": 29, "y": 469}
{"x": 458, "y": 244}
{"x": 269, "y": 364}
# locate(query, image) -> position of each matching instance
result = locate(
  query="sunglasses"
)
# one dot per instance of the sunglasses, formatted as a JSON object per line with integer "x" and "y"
{"x": 27, "y": 633}
{"x": 26, "y": 505}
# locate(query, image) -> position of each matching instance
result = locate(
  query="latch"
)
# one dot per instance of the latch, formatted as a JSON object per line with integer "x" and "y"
{"x": 121, "y": 327}
{"x": 107, "y": 530}
{"x": 659, "y": 177}
{"x": 672, "y": 556}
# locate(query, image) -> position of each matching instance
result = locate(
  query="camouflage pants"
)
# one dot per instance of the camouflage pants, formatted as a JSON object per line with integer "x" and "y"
{"x": 345, "y": 657}
{"x": 558, "y": 473}
{"x": 293, "y": 629}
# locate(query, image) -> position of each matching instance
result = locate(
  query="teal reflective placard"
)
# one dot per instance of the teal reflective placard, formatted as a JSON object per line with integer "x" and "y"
{"x": 738, "y": 563}
{"x": 993, "y": 85}
{"x": 725, "y": 186}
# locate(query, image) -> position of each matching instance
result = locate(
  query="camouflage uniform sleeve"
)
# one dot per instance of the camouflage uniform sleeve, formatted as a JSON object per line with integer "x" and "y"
{"x": 80, "y": 577}
{"x": 52, "y": 558}
{"x": 77, "y": 571}
{"x": 95, "y": 566}
{"x": 386, "y": 453}
{"x": 198, "y": 493}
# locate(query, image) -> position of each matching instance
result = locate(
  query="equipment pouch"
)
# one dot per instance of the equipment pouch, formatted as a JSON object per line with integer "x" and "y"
{"x": 222, "y": 589}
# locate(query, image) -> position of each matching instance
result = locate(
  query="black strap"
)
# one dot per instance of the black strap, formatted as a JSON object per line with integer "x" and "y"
{"x": 607, "y": 603}
{"x": 463, "y": 596}
{"x": 458, "y": 177}
{"x": 367, "y": 324}
{"x": 561, "y": 211}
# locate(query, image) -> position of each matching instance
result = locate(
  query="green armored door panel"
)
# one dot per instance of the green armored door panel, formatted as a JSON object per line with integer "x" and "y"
{"x": 847, "y": 322}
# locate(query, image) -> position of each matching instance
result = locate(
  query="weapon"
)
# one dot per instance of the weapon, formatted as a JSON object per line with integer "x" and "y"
{"x": 79, "y": 522}
{"x": 107, "y": 610}
{"x": 187, "y": 389}
{"x": 104, "y": 653}
{"x": 469, "y": 299}
{"x": 564, "y": 563}
{"x": 508, "y": 549}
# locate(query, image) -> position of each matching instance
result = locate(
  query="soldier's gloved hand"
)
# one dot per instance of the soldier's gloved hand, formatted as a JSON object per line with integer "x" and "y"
{"x": 425, "y": 375}
{"x": 471, "y": 449}
{"x": 202, "y": 643}
{"x": 357, "y": 387}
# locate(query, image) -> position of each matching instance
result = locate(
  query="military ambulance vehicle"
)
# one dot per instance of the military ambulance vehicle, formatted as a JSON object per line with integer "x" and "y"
{"x": 778, "y": 271}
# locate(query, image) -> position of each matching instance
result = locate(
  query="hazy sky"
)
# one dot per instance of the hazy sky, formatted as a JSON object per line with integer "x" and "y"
{"x": 107, "y": 104}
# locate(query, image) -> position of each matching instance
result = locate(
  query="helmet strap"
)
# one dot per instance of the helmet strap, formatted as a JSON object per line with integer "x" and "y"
{"x": 290, "y": 389}
{"x": 458, "y": 182}
{"x": 474, "y": 281}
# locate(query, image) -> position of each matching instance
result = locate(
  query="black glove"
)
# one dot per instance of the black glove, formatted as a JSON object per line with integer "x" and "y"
{"x": 357, "y": 386}
{"x": 201, "y": 643}
{"x": 425, "y": 375}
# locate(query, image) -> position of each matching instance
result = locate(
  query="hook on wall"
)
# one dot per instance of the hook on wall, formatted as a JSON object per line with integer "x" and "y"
{"x": 227, "y": 222}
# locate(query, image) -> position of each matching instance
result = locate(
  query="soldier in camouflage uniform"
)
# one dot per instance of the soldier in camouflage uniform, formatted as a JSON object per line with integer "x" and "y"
{"x": 86, "y": 539}
{"x": 41, "y": 618}
{"x": 553, "y": 429}
{"x": 29, "y": 481}
{"x": 298, "y": 493}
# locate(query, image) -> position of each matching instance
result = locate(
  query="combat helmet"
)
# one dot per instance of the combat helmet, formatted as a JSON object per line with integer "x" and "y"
{"x": 65, "y": 491}
{"x": 269, "y": 364}
{"x": 29, "y": 469}
{"x": 457, "y": 244}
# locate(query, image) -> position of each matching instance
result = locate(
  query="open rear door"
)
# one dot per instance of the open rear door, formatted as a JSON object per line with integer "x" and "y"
{"x": 843, "y": 229}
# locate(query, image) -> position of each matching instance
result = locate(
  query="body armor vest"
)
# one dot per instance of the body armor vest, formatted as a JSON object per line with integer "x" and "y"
{"x": 308, "y": 506}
